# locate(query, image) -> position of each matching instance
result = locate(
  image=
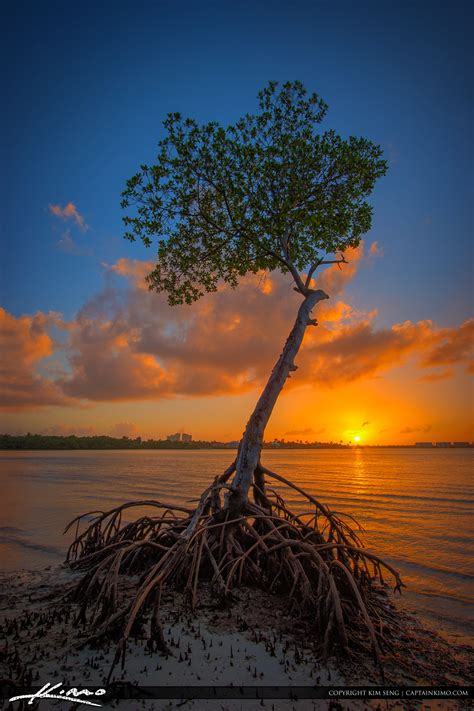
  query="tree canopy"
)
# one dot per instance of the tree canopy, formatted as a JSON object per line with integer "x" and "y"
{"x": 267, "y": 193}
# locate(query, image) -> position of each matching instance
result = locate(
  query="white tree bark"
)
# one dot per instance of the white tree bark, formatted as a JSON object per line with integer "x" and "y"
{"x": 252, "y": 440}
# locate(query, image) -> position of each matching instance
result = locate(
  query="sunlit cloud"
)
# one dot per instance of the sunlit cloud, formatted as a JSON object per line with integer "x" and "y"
{"x": 139, "y": 347}
{"x": 335, "y": 278}
{"x": 413, "y": 430}
{"x": 134, "y": 269}
{"x": 69, "y": 430}
{"x": 360, "y": 350}
{"x": 306, "y": 432}
{"x": 375, "y": 250}
{"x": 128, "y": 344}
{"x": 124, "y": 429}
{"x": 24, "y": 343}
{"x": 104, "y": 365}
{"x": 69, "y": 212}
{"x": 455, "y": 345}
{"x": 439, "y": 375}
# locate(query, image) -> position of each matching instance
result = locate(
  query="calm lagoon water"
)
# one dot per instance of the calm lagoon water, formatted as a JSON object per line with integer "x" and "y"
{"x": 415, "y": 506}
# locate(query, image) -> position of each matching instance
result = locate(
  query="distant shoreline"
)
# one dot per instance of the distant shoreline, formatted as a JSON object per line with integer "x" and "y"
{"x": 103, "y": 442}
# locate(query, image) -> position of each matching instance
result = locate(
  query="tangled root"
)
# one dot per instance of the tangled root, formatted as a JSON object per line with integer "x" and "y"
{"x": 315, "y": 558}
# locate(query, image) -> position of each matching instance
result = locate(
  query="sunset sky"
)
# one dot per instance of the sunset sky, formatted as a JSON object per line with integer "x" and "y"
{"x": 86, "y": 349}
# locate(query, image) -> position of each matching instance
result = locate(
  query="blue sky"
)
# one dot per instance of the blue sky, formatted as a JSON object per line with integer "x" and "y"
{"x": 88, "y": 85}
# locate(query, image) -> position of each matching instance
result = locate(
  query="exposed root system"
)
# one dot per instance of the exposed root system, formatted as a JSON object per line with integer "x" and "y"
{"x": 315, "y": 558}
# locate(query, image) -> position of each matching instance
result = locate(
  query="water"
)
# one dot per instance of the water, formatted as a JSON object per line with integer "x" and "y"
{"x": 415, "y": 506}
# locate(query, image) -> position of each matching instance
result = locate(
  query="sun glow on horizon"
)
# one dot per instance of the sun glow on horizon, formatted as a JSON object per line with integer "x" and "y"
{"x": 357, "y": 438}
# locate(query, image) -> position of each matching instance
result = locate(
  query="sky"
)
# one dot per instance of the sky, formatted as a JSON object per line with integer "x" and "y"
{"x": 87, "y": 350}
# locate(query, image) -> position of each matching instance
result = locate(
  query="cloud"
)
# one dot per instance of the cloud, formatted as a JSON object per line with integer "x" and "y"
{"x": 358, "y": 350}
{"x": 455, "y": 345}
{"x": 338, "y": 311}
{"x": 433, "y": 377}
{"x": 365, "y": 424}
{"x": 67, "y": 244}
{"x": 375, "y": 250}
{"x": 124, "y": 429}
{"x": 335, "y": 278}
{"x": 412, "y": 430}
{"x": 69, "y": 212}
{"x": 134, "y": 269}
{"x": 146, "y": 350}
{"x": 308, "y": 431}
{"x": 105, "y": 366}
{"x": 24, "y": 343}
{"x": 68, "y": 430}
{"x": 127, "y": 343}
{"x": 131, "y": 345}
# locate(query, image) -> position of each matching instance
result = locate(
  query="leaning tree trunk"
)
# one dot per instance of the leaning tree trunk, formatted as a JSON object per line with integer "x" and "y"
{"x": 251, "y": 444}
{"x": 318, "y": 562}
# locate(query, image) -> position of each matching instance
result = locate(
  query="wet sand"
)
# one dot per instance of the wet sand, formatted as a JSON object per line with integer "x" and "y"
{"x": 252, "y": 643}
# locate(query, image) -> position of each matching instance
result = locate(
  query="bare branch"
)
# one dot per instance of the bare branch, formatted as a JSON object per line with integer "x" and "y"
{"x": 319, "y": 263}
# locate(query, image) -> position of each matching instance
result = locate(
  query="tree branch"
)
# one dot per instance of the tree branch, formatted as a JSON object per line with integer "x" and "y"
{"x": 319, "y": 263}
{"x": 300, "y": 286}
{"x": 266, "y": 250}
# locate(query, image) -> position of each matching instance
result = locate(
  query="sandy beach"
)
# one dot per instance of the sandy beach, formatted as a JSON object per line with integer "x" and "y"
{"x": 253, "y": 643}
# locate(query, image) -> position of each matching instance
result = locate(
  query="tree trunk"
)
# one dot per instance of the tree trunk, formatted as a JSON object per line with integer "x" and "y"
{"x": 252, "y": 440}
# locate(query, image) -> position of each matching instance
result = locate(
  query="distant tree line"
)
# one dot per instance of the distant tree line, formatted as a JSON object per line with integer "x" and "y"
{"x": 36, "y": 441}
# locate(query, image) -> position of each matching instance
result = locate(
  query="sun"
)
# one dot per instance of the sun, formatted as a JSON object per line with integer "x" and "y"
{"x": 357, "y": 438}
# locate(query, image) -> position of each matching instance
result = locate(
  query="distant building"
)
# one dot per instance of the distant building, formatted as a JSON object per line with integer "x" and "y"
{"x": 186, "y": 437}
{"x": 461, "y": 444}
{"x": 443, "y": 444}
{"x": 174, "y": 437}
{"x": 423, "y": 444}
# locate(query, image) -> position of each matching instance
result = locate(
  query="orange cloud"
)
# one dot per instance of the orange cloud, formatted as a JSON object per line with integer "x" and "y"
{"x": 455, "y": 345}
{"x": 138, "y": 347}
{"x": 306, "y": 432}
{"x": 24, "y": 342}
{"x": 359, "y": 350}
{"x": 335, "y": 278}
{"x": 68, "y": 430}
{"x": 412, "y": 430}
{"x": 105, "y": 366}
{"x": 149, "y": 350}
{"x": 433, "y": 377}
{"x": 69, "y": 212}
{"x": 375, "y": 250}
{"x": 136, "y": 270}
{"x": 128, "y": 344}
{"x": 124, "y": 429}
